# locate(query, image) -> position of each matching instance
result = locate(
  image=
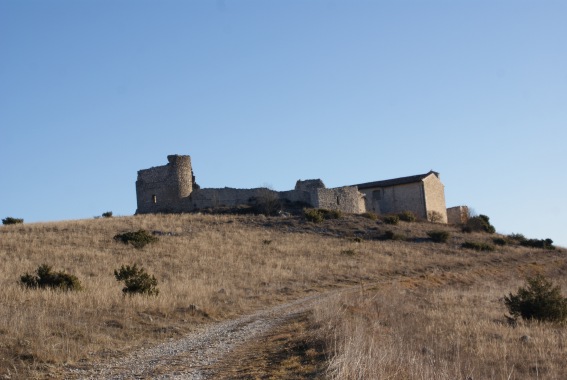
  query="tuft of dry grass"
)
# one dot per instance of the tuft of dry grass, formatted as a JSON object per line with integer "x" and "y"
{"x": 209, "y": 268}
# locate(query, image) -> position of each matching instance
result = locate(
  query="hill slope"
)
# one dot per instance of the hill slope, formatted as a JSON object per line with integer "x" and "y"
{"x": 211, "y": 268}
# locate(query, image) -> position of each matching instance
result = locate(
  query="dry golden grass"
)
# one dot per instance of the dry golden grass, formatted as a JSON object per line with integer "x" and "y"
{"x": 436, "y": 330}
{"x": 225, "y": 265}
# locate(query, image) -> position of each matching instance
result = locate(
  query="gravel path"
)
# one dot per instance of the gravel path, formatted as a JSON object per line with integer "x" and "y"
{"x": 191, "y": 356}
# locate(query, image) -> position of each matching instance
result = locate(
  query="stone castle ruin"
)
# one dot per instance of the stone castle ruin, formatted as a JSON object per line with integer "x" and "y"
{"x": 172, "y": 189}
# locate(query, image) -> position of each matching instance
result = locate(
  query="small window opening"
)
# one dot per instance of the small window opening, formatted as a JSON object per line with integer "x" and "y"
{"x": 154, "y": 199}
{"x": 338, "y": 201}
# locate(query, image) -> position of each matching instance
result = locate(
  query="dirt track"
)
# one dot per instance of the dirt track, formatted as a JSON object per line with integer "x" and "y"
{"x": 192, "y": 356}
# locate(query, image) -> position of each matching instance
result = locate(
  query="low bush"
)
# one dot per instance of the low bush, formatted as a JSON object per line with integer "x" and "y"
{"x": 407, "y": 216}
{"x": 107, "y": 214}
{"x": 540, "y": 300}
{"x": 317, "y": 215}
{"x": 479, "y": 223}
{"x": 45, "y": 278}
{"x": 517, "y": 237}
{"x": 136, "y": 280}
{"x": 391, "y": 219}
{"x": 538, "y": 243}
{"x": 477, "y": 246}
{"x": 9, "y": 220}
{"x": 138, "y": 239}
{"x": 500, "y": 241}
{"x": 434, "y": 216}
{"x": 370, "y": 215}
{"x": 391, "y": 235}
{"x": 438, "y": 236}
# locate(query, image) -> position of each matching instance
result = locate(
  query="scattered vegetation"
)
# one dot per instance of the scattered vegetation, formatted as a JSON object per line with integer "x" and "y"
{"x": 138, "y": 239}
{"x": 268, "y": 203}
{"x": 434, "y": 216}
{"x": 370, "y": 215}
{"x": 391, "y": 235}
{"x": 539, "y": 300}
{"x": 45, "y": 278}
{"x": 407, "y": 216}
{"x": 533, "y": 243}
{"x": 391, "y": 219}
{"x": 480, "y": 223}
{"x": 438, "y": 236}
{"x": 107, "y": 214}
{"x": 137, "y": 281}
{"x": 477, "y": 246}
{"x": 9, "y": 220}
{"x": 500, "y": 241}
{"x": 517, "y": 237}
{"x": 538, "y": 243}
{"x": 317, "y": 215}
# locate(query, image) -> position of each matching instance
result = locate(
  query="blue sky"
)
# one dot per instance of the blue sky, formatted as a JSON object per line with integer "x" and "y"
{"x": 269, "y": 92}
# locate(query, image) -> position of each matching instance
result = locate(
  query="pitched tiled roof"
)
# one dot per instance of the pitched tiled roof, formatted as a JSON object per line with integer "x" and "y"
{"x": 396, "y": 181}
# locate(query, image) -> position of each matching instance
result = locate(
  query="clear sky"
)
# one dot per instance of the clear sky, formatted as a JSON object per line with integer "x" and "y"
{"x": 263, "y": 92}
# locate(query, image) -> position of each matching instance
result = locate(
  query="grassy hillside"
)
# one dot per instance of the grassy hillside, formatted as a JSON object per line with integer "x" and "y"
{"x": 212, "y": 267}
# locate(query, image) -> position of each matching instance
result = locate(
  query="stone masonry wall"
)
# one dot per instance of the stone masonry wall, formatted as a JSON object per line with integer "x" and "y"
{"x": 395, "y": 199}
{"x": 346, "y": 199}
{"x": 159, "y": 189}
{"x": 225, "y": 197}
{"x": 435, "y": 196}
{"x": 457, "y": 215}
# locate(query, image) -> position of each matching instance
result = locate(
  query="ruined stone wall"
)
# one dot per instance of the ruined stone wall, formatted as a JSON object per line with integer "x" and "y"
{"x": 226, "y": 197}
{"x": 296, "y": 196}
{"x": 161, "y": 188}
{"x": 457, "y": 215}
{"x": 435, "y": 196}
{"x": 309, "y": 185}
{"x": 345, "y": 199}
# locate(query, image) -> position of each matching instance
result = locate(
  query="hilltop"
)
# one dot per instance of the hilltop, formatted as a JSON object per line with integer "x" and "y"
{"x": 211, "y": 268}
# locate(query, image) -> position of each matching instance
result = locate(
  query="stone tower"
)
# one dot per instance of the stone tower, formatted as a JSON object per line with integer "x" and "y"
{"x": 161, "y": 188}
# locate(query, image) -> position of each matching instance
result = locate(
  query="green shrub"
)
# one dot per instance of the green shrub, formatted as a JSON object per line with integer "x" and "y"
{"x": 317, "y": 215}
{"x": 500, "y": 241}
{"x": 438, "y": 236}
{"x": 391, "y": 219}
{"x": 370, "y": 215}
{"x": 517, "y": 237}
{"x": 477, "y": 246}
{"x": 107, "y": 214}
{"x": 479, "y": 223}
{"x": 540, "y": 300}
{"x": 45, "y": 278}
{"x": 267, "y": 203}
{"x": 407, "y": 216}
{"x": 136, "y": 280}
{"x": 391, "y": 235}
{"x": 434, "y": 216}
{"x": 9, "y": 220}
{"x": 138, "y": 239}
{"x": 313, "y": 215}
{"x": 538, "y": 243}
